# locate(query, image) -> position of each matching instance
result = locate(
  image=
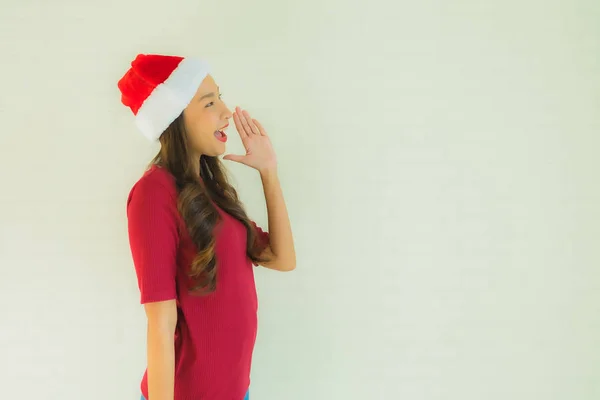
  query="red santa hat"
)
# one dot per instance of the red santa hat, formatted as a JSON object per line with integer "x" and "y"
{"x": 158, "y": 88}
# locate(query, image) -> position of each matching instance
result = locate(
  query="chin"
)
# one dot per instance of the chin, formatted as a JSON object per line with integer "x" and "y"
{"x": 220, "y": 152}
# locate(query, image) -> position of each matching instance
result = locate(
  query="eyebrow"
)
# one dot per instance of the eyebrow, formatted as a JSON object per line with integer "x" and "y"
{"x": 211, "y": 94}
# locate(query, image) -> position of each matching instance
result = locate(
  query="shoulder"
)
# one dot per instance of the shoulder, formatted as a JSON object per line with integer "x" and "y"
{"x": 156, "y": 182}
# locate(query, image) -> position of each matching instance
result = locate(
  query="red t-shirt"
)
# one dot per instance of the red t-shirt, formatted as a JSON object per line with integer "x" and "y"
{"x": 215, "y": 333}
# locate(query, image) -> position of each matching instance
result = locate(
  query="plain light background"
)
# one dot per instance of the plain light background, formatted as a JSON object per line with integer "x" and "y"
{"x": 439, "y": 161}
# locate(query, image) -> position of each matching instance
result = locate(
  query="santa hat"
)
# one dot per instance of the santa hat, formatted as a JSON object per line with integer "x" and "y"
{"x": 158, "y": 88}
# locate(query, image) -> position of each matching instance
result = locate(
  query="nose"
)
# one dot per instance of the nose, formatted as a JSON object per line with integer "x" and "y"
{"x": 227, "y": 114}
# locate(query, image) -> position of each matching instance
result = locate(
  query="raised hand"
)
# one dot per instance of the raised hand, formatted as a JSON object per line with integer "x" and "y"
{"x": 259, "y": 150}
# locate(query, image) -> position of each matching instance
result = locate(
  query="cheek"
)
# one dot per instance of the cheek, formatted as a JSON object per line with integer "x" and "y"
{"x": 198, "y": 138}
{"x": 198, "y": 127}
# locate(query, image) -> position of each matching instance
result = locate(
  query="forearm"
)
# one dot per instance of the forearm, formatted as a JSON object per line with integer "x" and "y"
{"x": 161, "y": 363}
{"x": 280, "y": 231}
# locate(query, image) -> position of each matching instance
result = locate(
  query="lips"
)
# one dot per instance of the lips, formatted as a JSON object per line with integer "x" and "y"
{"x": 221, "y": 135}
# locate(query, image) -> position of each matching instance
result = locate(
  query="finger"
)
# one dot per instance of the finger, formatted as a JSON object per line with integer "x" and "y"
{"x": 244, "y": 121}
{"x": 250, "y": 123}
{"x": 238, "y": 125}
{"x": 260, "y": 128}
{"x": 244, "y": 117}
{"x": 234, "y": 157}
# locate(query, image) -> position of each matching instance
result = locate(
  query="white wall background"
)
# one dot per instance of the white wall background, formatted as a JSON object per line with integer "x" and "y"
{"x": 439, "y": 161}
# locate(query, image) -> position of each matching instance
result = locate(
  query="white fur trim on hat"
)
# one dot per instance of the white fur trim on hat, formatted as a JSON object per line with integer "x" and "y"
{"x": 170, "y": 98}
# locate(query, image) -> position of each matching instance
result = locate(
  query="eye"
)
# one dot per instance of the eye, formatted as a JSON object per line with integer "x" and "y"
{"x": 212, "y": 103}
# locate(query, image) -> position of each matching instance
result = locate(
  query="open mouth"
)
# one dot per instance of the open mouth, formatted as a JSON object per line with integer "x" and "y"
{"x": 221, "y": 135}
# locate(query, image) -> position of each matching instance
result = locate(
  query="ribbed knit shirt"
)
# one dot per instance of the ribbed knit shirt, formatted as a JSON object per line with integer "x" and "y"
{"x": 215, "y": 333}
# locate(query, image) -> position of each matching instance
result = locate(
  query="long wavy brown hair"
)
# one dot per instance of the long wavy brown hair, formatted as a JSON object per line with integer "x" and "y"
{"x": 195, "y": 203}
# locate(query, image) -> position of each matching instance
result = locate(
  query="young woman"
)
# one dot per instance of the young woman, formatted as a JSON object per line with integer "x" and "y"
{"x": 193, "y": 246}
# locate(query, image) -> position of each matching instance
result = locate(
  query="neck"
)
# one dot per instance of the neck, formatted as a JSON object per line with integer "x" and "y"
{"x": 196, "y": 165}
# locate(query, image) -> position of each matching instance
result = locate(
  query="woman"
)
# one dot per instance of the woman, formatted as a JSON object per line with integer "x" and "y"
{"x": 193, "y": 246}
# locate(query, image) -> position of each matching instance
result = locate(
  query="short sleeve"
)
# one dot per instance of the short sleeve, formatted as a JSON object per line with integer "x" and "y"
{"x": 153, "y": 239}
{"x": 262, "y": 237}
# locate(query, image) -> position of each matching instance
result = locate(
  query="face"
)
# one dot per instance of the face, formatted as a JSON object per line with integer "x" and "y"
{"x": 205, "y": 119}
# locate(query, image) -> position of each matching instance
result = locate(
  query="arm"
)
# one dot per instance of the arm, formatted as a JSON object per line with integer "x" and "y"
{"x": 162, "y": 319}
{"x": 281, "y": 246}
{"x": 260, "y": 156}
{"x": 154, "y": 238}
